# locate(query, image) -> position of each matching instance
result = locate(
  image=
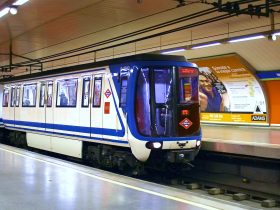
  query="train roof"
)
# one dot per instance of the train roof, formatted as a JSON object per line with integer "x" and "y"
{"x": 133, "y": 58}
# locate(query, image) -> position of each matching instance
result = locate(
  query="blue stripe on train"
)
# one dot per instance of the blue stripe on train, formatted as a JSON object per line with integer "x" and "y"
{"x": 70, "y": 135}
{"x": 71, "y": 128}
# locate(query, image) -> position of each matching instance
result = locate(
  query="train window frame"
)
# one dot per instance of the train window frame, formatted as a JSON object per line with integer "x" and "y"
{"x": 59, "y": 93}
{"x": 42, "y": 94}
{"x": 12, "y": 99}
{"x": 5, "y": 100}
{"x": 17, "y": 102}
{"x": 50, "y": 94}
{"x": 94, "y": 104}
{"x": 23, "y": 92}
{"x": 86, "y": 81}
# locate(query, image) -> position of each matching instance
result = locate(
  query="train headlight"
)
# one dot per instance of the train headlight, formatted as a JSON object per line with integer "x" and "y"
{"x": 154, "y": 145}
{"x": 198, "y": 143}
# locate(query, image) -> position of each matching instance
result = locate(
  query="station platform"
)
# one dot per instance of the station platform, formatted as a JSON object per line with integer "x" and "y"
{"x": 35, "y": 181}
{"x": 261, "y": 142}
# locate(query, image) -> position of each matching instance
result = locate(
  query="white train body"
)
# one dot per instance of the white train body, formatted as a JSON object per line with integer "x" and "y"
{"x": 62, "y": 109}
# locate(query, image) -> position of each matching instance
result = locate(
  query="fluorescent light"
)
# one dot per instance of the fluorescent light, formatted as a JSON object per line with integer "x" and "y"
{"x": 276, "y": 34}
{"x": 4, "y": 11}
{"x": 206, "y": 45}
{"x": 20, "y": 2}
{"x": 173, "y": 51}
{"x": 246, "y": 38}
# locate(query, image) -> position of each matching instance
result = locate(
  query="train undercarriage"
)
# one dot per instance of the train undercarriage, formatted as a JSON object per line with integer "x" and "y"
{"x": 111, "y": 157}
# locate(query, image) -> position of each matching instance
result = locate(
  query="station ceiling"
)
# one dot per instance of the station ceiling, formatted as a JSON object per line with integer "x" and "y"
{"x": 44, "y": 28}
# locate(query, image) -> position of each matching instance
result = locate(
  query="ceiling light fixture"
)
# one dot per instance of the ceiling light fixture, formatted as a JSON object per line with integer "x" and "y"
{"x": 20, "y": 2}
{"x": 206, "y": 45}
{"x": 4, "y": 11}
{"x": 173, "y": 51}
{"x": 13, "y": 10}
{"x": 246, "y": 38}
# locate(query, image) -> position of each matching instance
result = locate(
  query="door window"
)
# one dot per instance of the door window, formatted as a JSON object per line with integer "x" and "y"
{"x": 13, "y": 96}
{"x": 42, "y": 94}
{"x": 17, "y": 96}
{"x": 97, "y": 92}
{"x": 5, "y": 98}
{"x": 86, "y": 92}
{"x": 49, "y": 94}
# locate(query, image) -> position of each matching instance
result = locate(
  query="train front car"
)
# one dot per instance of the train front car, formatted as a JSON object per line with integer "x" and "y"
{"x": 163, "y": 109}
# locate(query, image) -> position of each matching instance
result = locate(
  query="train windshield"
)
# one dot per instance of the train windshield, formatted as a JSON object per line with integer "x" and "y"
{"x": 167, "y": 101}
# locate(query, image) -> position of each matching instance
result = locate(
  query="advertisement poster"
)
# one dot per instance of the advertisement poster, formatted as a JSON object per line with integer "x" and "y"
{"x": 229, "y": 92}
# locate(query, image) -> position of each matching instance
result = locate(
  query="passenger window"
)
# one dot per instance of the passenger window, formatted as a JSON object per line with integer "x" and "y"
{"x": 50, "y": 92}
{"x": 5, "y": 98}
{"x": 67, "y": 93}
{"x": 123, "y": 91}
{"x": 97, "y": 91}
{"x": 13, "y": 94}
{"x": 29, "y": 95}
{"x": 86, "y": 90}
{"x": 42, "y": 95}
{"x": 17, "y": 96}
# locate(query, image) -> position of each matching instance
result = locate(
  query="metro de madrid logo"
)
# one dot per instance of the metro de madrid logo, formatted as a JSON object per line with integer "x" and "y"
{"x": 107, "y": 93}
{"x": 186, "y": 123}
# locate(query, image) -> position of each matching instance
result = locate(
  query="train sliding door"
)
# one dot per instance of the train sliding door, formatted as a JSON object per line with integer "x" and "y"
{"x": 49, "y": 106}
{"x": 12, "y": 104}
{"x": 85, "y": 109}
{"x": 43, "y": 115}
{"x": 41, "y": 111}
{"x": 97, "y": 107}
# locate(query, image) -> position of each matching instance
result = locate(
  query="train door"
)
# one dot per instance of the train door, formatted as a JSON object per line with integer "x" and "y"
{"x": 97, "y": 106}
{"x": 41, "y": 116}
{"x": 17, "y": 103}
{"x": 12, "y": 105}
{"x": 85, "y": 111}
{"x": 49, "y": 91}
{"x": 45, "y": 113}
{"x": 41, "y": 111}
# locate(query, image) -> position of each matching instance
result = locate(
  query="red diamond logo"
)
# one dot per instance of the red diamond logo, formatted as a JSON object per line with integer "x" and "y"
{"x": 186, "y": 123}
{"x": 107, "y": 93}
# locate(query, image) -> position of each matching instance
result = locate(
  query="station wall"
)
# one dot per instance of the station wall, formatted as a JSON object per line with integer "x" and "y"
{"x": 271, "y": 86}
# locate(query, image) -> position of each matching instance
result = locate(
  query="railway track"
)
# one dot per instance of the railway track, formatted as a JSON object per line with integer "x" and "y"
{"x": 251, "y": 181}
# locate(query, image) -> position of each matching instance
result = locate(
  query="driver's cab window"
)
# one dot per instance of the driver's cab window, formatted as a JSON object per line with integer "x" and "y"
{"x": 163, "y": 101}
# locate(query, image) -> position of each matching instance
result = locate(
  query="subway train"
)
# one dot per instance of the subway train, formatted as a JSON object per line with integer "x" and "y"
{"x": 117, "y": 112}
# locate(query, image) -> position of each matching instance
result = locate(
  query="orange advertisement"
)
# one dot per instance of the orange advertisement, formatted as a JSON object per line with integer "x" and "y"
{"x": 229, "y": 91}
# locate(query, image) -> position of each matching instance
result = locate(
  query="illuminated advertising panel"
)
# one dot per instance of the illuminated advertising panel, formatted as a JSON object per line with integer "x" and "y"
{"x": 229, "y": 92}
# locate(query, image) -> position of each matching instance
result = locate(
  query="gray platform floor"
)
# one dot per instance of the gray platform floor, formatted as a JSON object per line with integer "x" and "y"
{"x": 32, "y": 181}
{"x": 245, "y": 140}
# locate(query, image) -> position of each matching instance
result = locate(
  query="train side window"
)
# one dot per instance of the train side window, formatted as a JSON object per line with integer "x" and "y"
{"x": 49, "y": 94}
{"x": 97, "y": 92}
{"x": 29, "y": 95}
{"x": 13, "y": 94}
{"x": 17, "y": 96}
{"x": 67, "y": 93}
{"x": 86, "y": 91}
{"x": 5, "y": 98}
{"x": 42, "y": 95}
{"x": 124, "y": 80}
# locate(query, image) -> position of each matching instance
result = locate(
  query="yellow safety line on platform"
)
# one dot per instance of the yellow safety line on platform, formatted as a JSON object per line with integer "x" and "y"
{"x": 118, "y": 183}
